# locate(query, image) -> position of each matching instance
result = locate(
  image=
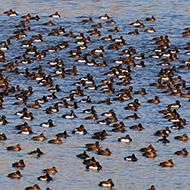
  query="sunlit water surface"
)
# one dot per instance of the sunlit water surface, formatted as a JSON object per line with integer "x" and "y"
{"x": 171, "y": 19}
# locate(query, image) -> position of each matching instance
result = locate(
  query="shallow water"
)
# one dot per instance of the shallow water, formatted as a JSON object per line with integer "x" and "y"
{"x": 171, "y": 19}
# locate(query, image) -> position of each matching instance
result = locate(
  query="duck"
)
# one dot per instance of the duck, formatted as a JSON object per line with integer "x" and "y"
{"x": 109, "y": 183}
{"x": 36, "y": 105}
{"x": 56, "y": 89}
{"x": 22, "y": 126}
{"x": 3, "y": 120}
{"x": 40, "y": 137}
{"x": 183, "y": 137}
{"x": 152, "y": 188}
{"x": 3, "y": 137}
{"x": 37, "y": 152}
{"x": 152, "y": 19}
{"x": 100, "y": 135}
{"x": 50, "y": 23}
{"x": 150, "y": 30}
{"x": 46, "y": 177}
{"x": 74, "y": 105}
{"x": 83, "y": 156}
{"x": 88, "y": 20}
{"x": 168, "y": 163}
{"x": 135, "y": 32}
{"x": 141, "y": 92}
{"x": 147, "y": 149}
{"x": 136, "y": 23}
{"x": 126, "y": 139}
{"x": 132, "y": 158}
{"x": 55, "y": 141}
{"x": 26, "y": 131}
{"x": 15, "y": 175}
{"x": 107, "y": 101}
{"x": 19, "y": 164}
{"x": 93, "y": 117}
{"x": 119, "y": 129}
{"x": 183, "y": 152}
{"x": 86, "y": 100}
{"x": 150, "y": 154}
{"x": 52, "y": 170}
{"x": 55, "y": 15}
{"x": 22, "y": 112}
{"x": 64, "y": 134}
{"x": 52, "y": 96}
{"x": 28, "y": 116}
{"x": 70, "y": 115}
{"x": 166, "y": 111}
{"x": 156, "y": 100}
{"x": 14, "y": 148}
{"x": 34, "y": 187}
{"x": 164, "y": 132}
{"x": 89, "y": 161}
{"x": 138, "y": 127}
{"x": 141, "y": 56}
{"x": 93, "y": 146}
{"x": 110, "y": 21}
{"x": 134, "y": 116}
{"x": 80, "y": 130}
{"x": 164, "y": 140}
{"x": 176, "y": 105}
{"x": 99, "y": 25}
{"x": 105, "y": 152}
{"x": 110, "y": 113}
{"x": 107, "y": 38}
{"x": 104, "y": 17}
{"x": 49, "y": 123}
{"x": 116, "y": 29}
{"x": 95, "y": 166}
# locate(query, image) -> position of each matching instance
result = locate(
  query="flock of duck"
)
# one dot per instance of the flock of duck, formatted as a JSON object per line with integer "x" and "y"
{"x": 115, "y": 84}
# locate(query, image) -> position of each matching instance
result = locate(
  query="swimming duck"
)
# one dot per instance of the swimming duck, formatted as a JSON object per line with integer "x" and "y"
{"x": 37, "y": 152}
{"x": 64, "y": 134}
{"x": 3, "y": 137}
{"x": 95, "y": 166}
{"x": 183, "y": 152}
{"x": 168, "y": 163}
{"x": 14, "y": 148}
{"x": 84, "y": 155}
{"x": 132, "y": 158}
{"x": 49, "y": 123}
{"x": 55, "y": 15}
{"x": 70, "y": 115}
{"x": 46, "y": 177}
{"x": 134, "y": 116}
{"x": 183, "y": 137}
{"x": 34, "y": 187}
{"x": 89, "y": 161}
{"x": 93, "y": 146}
{"x": 40, "y": 137}
{"x": 126, "y": 139}
{"x": 106, "y": 152}
{"x": 80, "y": 130}
{"x": 109, "y": 183}
{"x": 138, "y": 127}
{"x": 52, "y": 170}
{"x": 156, "y": 100}
{"x": 55, "y": 141}
{"x": 15, "y": 175}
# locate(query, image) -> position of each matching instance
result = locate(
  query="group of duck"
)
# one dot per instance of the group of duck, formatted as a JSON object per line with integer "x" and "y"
{"x": 173, "y": 85}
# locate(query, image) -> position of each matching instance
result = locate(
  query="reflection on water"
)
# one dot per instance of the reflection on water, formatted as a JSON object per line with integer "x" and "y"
{"x": 72, "y": 174}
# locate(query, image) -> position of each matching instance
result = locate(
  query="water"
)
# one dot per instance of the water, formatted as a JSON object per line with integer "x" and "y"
{"x": 171, "y": 19}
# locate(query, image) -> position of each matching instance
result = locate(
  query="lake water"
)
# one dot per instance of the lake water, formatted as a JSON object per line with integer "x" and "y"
{"x": 172, "y": 17}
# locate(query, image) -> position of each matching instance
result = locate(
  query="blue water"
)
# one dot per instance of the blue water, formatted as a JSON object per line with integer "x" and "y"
{"x": 171, "y": 19}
